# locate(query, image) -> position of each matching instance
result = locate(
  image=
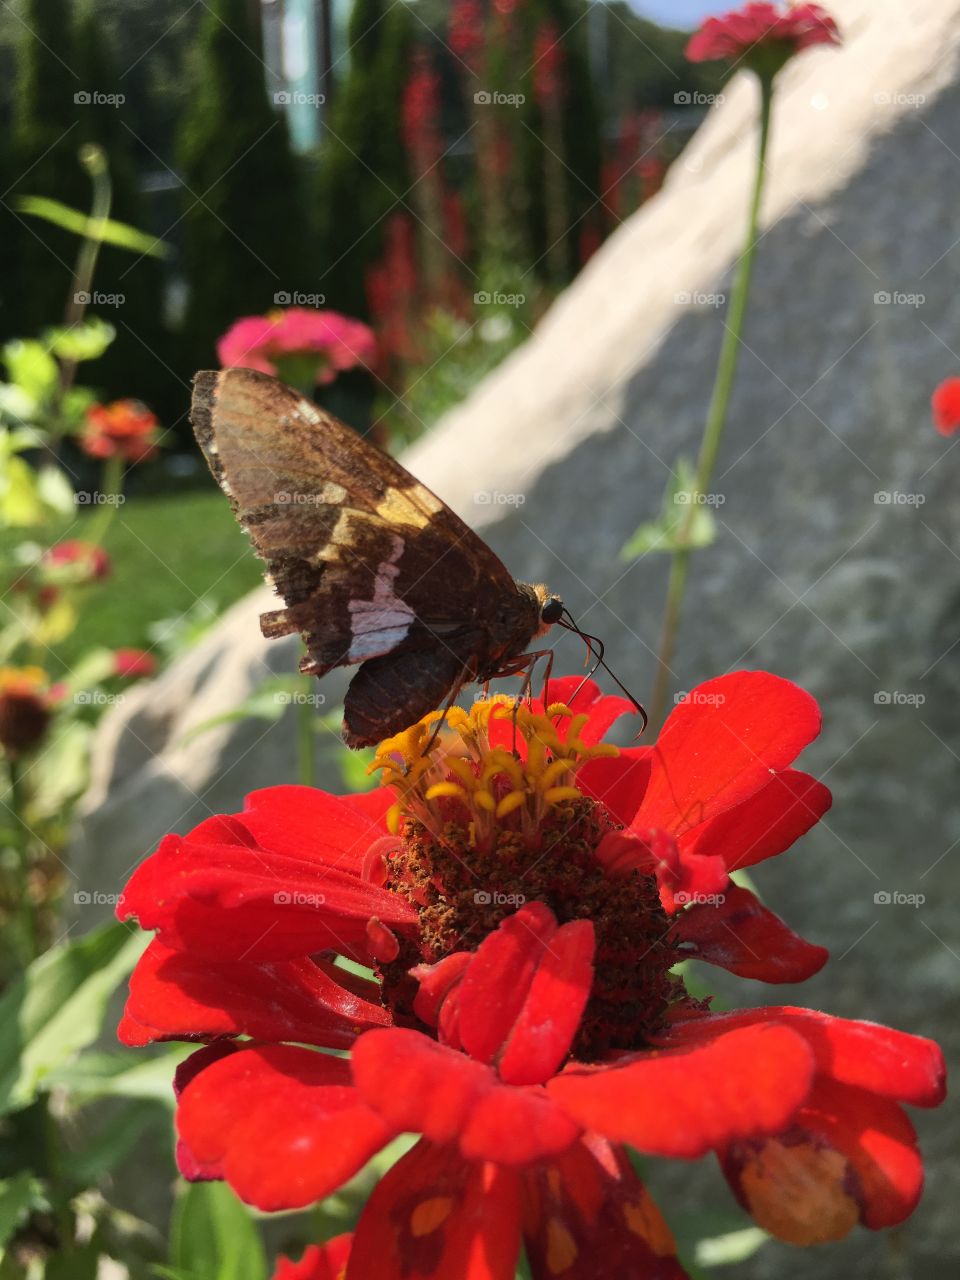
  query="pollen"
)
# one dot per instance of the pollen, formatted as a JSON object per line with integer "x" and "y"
{"x": 458, "y": 768}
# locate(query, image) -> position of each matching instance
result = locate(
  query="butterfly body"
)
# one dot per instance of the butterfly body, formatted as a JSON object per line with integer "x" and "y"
{"x": 373, "y": 569}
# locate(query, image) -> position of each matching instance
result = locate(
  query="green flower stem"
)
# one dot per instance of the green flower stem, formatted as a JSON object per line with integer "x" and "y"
{"x": 111, "y": 491}
{"x": 306, "y": 736}
{"x": 715, "y": 422}
{"x": 21, "y": 834}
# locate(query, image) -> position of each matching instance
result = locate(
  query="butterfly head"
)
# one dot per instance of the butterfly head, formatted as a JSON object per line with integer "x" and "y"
{"x": 551, "y": 608}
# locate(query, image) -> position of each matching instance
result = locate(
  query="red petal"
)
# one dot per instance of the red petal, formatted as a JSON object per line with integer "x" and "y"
{"x": 587, "y": 1214}
{"x": 618, "y": 782}
{"x": 739, "y": 933}
{"x": 945, "y": 403}
{"x": 436, "y": 983}
{"x": 684, "y": 1103}
{"x": 522, "y": 995}
{"x": 281, "y": 1124}
{"x": 433, "y": 1215}
{"x": 764, "y": 825}
{"x": 175, "y": 995}
{"x": 216, "y": 893}
{"x": 584, "y": 696}
{"x": 865, "y": 1054}
{"x": 848, "y": 1156}
{"x": 420, "y": 1086}
{"x": 320, "y": 1262}
{"x": 720, "y": 745}
{"x": 305, "y": 822}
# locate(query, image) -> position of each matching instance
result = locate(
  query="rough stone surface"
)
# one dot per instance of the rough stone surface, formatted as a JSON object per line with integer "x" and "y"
{"x": 812, "y": 576}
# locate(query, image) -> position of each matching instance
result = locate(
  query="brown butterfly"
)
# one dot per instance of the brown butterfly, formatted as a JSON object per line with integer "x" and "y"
{"x": 372, "y": 567}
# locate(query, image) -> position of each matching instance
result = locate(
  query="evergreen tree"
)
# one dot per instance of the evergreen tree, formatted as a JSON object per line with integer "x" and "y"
{"x": 137, "y": 363}
{"x": 244, "y": 236}
{"x": 363, "y": 167}
{"x": 46, "y": 141}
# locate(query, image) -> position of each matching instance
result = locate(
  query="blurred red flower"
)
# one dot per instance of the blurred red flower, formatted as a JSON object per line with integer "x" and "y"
{"x": 133, "y": 664}
{"x": 319, "y": 1262}
{"x": 83, "y": 561}
{"x": 322, "y": 342}
{"x": 757, "y": 30}
{"x": 524, "y": 910}
{"x": 945, "y": 403}
{"x": 123, "y": 428}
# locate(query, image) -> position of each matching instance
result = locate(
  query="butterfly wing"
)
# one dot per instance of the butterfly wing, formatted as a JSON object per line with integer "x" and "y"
{"x": 366, "y": 559}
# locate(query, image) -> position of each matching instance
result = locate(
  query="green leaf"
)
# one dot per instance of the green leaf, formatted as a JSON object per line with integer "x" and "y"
{"x": 55, "y": 491}
{"x": 213, "y": 1237}
{"x": 87, "y": 340}
{"x": 19, "y": 1196}
{"x": 57, "y": 1006}
{"x": 111, "y": 1142}
{"x": 31, "y": 366}
{"x": 269, "y": 701}
{"x": 105, "y": 230}
{"x": 122, "y": 1075}
{"x": 677, "y": 528}
{"x": 20, "y": 504}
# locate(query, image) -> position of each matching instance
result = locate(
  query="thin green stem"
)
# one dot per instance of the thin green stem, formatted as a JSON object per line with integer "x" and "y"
{"x": 306, "y": 735}
{"x": 715, "y": 421}
{"x": 21, "y": 835}
{"x": 111, "y": 493}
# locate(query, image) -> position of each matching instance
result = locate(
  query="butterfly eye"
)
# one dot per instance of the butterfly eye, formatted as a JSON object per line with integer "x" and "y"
{"x": 552, "y": 610}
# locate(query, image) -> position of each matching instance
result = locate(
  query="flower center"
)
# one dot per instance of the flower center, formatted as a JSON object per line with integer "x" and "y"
{"x": 489, "y": 817}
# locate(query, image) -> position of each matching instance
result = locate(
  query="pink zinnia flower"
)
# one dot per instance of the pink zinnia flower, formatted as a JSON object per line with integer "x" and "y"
{"x": 84, "y": 561}
{"x": 133, "y": 664}
{"x": 758, "y": 31}
{"x": 945, "y": 403}
{"x": 328, "y": 341}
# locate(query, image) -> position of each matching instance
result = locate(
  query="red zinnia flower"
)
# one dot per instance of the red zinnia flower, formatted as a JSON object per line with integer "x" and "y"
{"x": 83, "y": 561}
{"x": 321, "y": 342}
{"x": 124, "y": 428}
{"x": 524, "y": 896}
{"x": 133, "y": 664}
{"x": 945, "y": 403}
{"x": 765, "y": 35}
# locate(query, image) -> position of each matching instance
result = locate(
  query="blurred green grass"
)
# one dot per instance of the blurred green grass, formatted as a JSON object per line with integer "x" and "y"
{"x": 167, "y": 553}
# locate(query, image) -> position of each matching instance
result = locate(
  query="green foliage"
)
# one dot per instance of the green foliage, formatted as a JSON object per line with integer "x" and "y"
{"x": 105, "y": 230}
{"x": 56, "y": 1007}
{"x": 363, "y": 165}
{"x": 213, "y": 1237}
{"x": 244, "y": 237}
{"x": 676, "y": 527}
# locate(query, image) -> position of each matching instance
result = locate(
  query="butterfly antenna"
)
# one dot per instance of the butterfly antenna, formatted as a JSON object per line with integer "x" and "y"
{"x": 569, "y": 623}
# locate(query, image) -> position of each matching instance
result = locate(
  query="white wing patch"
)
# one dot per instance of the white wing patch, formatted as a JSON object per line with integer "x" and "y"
{"x": 378, "y": 625}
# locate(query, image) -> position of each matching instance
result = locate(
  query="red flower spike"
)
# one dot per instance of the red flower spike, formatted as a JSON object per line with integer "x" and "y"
{"x": 739, "y": 934}
{"x": 319, "y": 1262}
{"x": 419, "y": 1086}
{"x": 173, "y": 994}
{"x": 848, "y": 1156}
{"x": 945, "y": 404}
{"x": 764, "y": 825}
{"x": 281, "y": 1124}
{"x": 750, "y": 1084}
{"x": 719, "y": 747}
{"x": 576, "y": 1208}
{"x": 432, "y": 1217}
